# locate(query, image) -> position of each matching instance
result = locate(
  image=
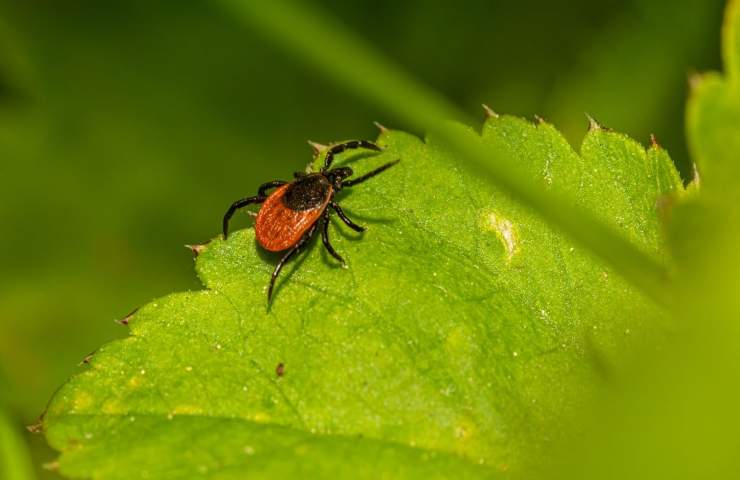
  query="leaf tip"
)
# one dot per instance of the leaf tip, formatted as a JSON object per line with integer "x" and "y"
{"x": 489, "y": 112}
{"x": 382, "y": 128}
{"x": 87, "y": 358}
{"x": 539, "y": 120}
{"x": 593, "y": 124}
{"x": 196, "y": 249}
{"x": 317, "y": 147}
{"x": 127, "y": 319}
{"x": 695, "y": 80}
{"x": 654, "y": 142}
{"x": 695, "y": 176}
{"x": 51, "y": 466}
{"x": 38, "y": 427}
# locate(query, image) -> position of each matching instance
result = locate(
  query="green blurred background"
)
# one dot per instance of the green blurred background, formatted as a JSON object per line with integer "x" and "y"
{"x": 126, "y": 128}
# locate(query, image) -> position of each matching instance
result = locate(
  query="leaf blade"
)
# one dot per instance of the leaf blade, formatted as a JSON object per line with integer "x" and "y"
{"x": 460, "y": 328}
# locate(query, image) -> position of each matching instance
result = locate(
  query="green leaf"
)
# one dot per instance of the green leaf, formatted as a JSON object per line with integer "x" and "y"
{"x": 713, "y": 219}
{"x": 458, "y": 343}
{"x": 713, "y": 114}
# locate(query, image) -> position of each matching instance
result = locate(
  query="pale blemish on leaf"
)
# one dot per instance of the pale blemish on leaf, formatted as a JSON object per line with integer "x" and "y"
{"x": 464, "y": 431}
{"x": 186, "y": 410}
{"x": 261, "y": 417}
{"x": 112, "y": 407}
{"x": 134, "y": 382}
{"x": 505, "y": 230}
{"x": 82, "y": 401}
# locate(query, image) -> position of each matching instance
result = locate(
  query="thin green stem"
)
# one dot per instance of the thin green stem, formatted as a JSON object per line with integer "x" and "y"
{"x": 330, "y": 48}
{"x": 15, "y": 462}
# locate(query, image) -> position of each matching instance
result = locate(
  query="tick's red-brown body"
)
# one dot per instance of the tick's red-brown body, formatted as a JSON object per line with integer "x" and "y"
{"x": 291, "y": 214}
{"x": 278, "y": 226}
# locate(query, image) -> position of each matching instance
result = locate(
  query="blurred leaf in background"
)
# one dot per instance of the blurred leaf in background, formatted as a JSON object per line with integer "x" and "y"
{"x": 624, "y": 62}
{"x": 15, "y": 461}
{"x": 110, "y": 113}
{"x": 674, "y": 412}
{"x": 632, "y": 75}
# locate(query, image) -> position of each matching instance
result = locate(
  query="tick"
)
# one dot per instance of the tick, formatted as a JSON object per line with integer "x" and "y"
{"x": 291, "y": 215}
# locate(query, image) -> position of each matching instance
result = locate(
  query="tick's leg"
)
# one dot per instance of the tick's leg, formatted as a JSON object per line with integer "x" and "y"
{"x": 237, "y": 205}
{"x": 262, "y": 192}
{"x": 325, "y": 238}
{"x": 290, "y": 253}
{"x": 346, "y": 219}
{"x": 339, "y": 148}
{"x": 380, "y": 169}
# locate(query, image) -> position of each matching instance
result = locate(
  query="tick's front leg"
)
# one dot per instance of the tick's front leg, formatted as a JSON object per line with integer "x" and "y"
{"x": 236, "y": 206}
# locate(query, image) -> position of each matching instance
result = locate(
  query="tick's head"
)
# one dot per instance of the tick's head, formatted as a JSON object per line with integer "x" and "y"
{"x": 337, "y": 175}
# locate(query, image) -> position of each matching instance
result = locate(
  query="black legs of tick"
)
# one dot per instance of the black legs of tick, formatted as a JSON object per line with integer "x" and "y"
{"x": 339, "y": 148}
{"x": 305, "y": 239}
{"x": 346, "y": 219}
{"x": 325, "y": 238}
{"x": 262, "y": 192}
{"x": 261, "y": 197}
{"x": 236, "y": 206}
{"x": 290, "y": 253}
{"x": 368, "y": 175}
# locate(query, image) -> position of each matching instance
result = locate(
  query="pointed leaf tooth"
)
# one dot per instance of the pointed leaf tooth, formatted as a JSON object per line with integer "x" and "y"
{"x": 381, "y": 127}
{"x": 489, "y": 112}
